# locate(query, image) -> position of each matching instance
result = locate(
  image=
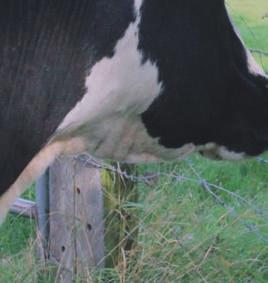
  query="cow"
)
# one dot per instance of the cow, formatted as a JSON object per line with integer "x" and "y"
{"x": 125, "y": 80}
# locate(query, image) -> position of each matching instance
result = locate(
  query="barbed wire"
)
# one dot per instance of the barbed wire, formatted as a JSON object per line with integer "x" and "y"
{"x": 259, "y": 52}
{"x": 211, "y": 188}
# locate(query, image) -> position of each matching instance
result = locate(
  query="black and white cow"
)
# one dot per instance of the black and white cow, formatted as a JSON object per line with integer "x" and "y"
{"x": 130, "y": 80}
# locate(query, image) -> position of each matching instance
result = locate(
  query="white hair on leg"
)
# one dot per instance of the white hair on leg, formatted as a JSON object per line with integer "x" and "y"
{"x": 35, "y": 169}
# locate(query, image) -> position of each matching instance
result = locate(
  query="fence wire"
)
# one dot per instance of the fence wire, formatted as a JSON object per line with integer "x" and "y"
{"x": 209, "y": 187}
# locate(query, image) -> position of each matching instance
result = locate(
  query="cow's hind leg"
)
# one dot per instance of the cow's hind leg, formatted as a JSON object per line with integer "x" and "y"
{"x": 35, "y": 169}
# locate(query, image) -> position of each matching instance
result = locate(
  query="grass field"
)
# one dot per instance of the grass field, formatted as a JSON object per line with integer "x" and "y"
{"x": 209, "y": 225}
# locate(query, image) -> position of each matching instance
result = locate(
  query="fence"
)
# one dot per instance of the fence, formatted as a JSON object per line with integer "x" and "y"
{"x": 81, "y": 222}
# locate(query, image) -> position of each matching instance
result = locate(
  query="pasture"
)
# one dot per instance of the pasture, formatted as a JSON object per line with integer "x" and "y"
{"x": 200, "y": 220}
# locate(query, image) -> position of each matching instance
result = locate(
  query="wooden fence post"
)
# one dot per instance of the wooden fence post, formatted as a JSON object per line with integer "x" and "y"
{"x": 90, "y": 225}
{"x": 76, "y": 218}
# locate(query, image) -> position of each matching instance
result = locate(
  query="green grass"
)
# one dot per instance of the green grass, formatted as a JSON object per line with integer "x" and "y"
{"x": 251, "y": 18}
{"x": 188, "y": 232}
{"x": 195, "y": 238}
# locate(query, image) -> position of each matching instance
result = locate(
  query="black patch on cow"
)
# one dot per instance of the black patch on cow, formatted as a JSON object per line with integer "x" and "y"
{"x": 208, "y": 93}
{"x": 46, "y": 48}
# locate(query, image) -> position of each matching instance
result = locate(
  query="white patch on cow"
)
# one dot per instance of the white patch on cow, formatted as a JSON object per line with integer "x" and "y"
{"x": 138, "y": 4}
{"x": 227, "y": 154}
{"x": 254, "y": 67}
{"x": 119, "y": 89}
{"x": 214, "y": 151}
{"x": 121, "y": 84}
{"x": 35, "y": 169}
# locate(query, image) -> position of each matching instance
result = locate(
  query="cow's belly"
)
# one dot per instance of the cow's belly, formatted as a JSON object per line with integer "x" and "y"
{"x": 123, "y": 138}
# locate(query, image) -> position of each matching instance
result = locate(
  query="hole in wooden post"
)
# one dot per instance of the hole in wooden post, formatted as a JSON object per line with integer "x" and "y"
{"x": 89, "y": 227}
{"x": 63, "y": 249}
{"x": 78, "y": 190}
{"x": 128, "y": 216}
